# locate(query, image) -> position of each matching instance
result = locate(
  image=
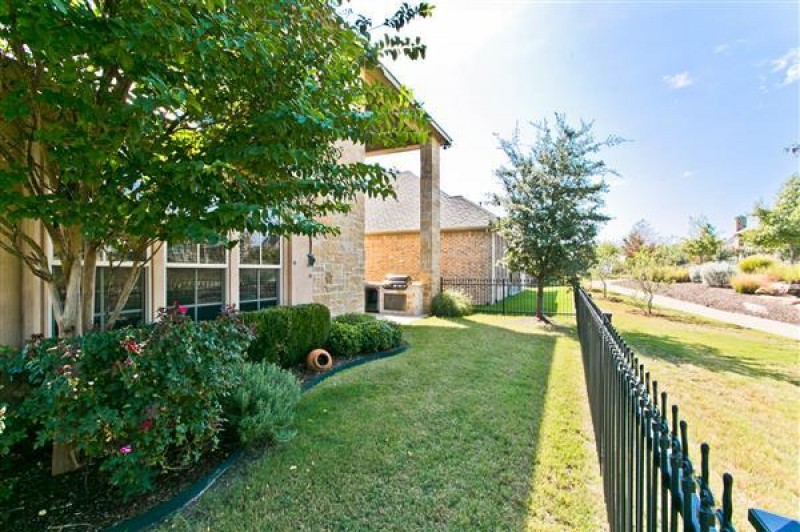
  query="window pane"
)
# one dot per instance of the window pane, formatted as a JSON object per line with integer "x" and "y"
{"x": 249, "y": 248}
{"x": 269, "y": 284}
{"x": 182, "y": 252}
{"x": 180, "y": 286}
{"x": 113, "y": 283}
{"x": 210, "y": 286}
{"x": 212, "y": 254}
{"x": 248, "y": 307}
{"x": 271, "y": 250}
{"x": 248, "y": 285}
{"x": 208, "y": 312}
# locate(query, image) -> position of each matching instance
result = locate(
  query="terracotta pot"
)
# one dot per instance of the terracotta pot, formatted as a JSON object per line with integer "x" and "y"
{"x": 319, "y": 360}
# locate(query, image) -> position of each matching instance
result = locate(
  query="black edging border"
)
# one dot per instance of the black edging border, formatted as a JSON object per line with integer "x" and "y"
{"x": 160, "y": 512}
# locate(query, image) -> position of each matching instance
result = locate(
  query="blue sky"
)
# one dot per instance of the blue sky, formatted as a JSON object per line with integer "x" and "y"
{"x": 706, "y": 92}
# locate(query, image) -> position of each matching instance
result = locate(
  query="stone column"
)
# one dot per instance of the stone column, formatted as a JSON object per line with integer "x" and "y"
{"x": 429, "y": 228}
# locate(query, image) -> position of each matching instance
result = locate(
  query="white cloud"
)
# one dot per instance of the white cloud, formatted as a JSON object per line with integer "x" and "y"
{"x": 789, "y": 65}
{"x": 688, "y": 173}
{"x": 680, "y": 80}
{"x": 722, "y": 48}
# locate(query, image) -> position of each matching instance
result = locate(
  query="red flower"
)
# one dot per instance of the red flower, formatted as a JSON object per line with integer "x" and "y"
{"x": 182, "y": 309}
{"x": 130, "y": 345}
{"x": 146, "y": 424}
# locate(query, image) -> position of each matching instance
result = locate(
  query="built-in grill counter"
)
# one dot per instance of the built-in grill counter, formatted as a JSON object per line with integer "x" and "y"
{"x": 396, "y": 294}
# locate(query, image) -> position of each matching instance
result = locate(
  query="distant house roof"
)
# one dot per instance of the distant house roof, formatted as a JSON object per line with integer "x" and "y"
{"x": 402, "y": 213}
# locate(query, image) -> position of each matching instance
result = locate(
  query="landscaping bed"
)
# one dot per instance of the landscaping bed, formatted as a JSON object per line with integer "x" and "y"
{"x": 779, "y": 308}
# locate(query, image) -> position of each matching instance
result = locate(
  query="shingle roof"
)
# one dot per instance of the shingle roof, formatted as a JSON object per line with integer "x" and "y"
{"x": 402, "y": 213}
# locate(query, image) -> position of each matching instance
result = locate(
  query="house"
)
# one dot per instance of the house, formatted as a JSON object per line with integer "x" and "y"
{"x": 261, "y": 271}
{"x": 470, "y": 248}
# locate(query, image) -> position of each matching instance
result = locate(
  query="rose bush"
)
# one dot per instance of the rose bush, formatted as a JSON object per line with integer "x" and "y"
{"x": 135, "y": 401}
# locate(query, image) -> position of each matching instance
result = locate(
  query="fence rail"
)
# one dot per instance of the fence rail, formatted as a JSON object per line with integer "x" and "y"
{"x": 513, "y": 296}
{"x": 649, "y": 481}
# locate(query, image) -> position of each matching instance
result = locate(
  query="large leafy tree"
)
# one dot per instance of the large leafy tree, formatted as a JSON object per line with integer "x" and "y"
{"x": 128, "y": 123}
{"x": 779, "y": 226}
{"x": 703, "y": 244}
{"x": 553, "y": 197}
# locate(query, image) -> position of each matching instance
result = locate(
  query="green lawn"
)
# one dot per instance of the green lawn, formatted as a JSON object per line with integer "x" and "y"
{"x": 483, "y": 424}
{"x": 557, "y": 300}
{"x": 738, "y": 389}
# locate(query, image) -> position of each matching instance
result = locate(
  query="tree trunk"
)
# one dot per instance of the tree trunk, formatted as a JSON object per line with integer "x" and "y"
{"x": 88, "y": 280}
{"x": 605, "y": 288}
{"x": 540, "y": 299}
{"x": 127, "y": 288}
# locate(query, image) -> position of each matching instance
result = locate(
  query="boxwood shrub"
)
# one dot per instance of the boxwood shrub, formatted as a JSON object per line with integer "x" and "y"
{"x": 285, "y": 335}
{"x": 451, "y": 304}
{"x": 361, "y": 334}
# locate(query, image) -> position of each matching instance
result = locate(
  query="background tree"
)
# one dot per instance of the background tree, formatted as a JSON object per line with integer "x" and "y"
{"x": 607, "y": 262}
{"x": 127, "y": 124}
{"x": 703, "y": 244}
{"x": 553, "y": 196}
{"x": 641, "y": 235}
{"x": 645, "y": 269}
{"x": 779, "y": 227}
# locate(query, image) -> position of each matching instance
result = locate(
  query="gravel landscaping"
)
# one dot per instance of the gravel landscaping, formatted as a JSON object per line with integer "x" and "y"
{"x": 778, "y": 308}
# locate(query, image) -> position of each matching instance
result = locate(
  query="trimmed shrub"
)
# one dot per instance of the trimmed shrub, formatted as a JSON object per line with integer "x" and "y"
{"x": 676, "y": 274}
{"x": 696, "y": 274}
{"x": 344, "y": 339}
{"x": 786, "y": 273}
{"x": 285, "y": 335}
{"x": 756, "y": 263}
{"x": 717, "y": 274}
{"x": 135, "y": 401}
{"x": 451, "y": 304}
{"x": 354, "y": 334}
{"x": 261, "y": 408}
{"x": 748, "y": 283}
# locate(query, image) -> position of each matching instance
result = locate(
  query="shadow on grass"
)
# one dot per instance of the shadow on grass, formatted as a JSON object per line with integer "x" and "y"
{"x": 679, "y": 352}
{"x": 443, "y": 436}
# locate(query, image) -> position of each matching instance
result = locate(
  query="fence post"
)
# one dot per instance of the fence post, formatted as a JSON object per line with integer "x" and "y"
{"x": 504, "y": 296}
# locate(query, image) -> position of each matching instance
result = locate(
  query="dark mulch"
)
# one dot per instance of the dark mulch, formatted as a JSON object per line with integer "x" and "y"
{"x": 779, "y": 308}
{"x": 83, "y": 500}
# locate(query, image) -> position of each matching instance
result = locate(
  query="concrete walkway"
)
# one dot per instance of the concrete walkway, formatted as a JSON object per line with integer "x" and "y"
{"x": 743, "y": 320}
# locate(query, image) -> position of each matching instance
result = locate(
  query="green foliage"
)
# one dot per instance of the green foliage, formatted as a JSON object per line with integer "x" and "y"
{"x": 345, "y": 339}
{"x": 640, "y": 236}
{"x": 130, "y": 123}
{"x": 717, "y": 274}
{"x": 552, "y": 199}
{"x": 285, "y": 335}
{"x": 703, "y": 245}
{"x": 138, "y": 401}
{"x": 645, "y": 268}
{"x": 451, "y": 304}
{"x": 261, "y": 408}
{"x": 779, "y": 226}
{"x": 756, "y": 263}
{"x": 354, "y": 334}
{"x": 674, "y": 274}
{"x": 748, "y": 283}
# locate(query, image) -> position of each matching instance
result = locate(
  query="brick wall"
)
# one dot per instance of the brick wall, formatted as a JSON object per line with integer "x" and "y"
{"x": 392, "y": 253}
{"x": 464, "y": 254}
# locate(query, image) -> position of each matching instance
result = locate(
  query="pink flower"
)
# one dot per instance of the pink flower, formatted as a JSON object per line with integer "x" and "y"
{"x": 131, "y": 346}
{"x": 182, "y": 309}
{"x": 126, "y": 449}
{"x": 129, "y": 361}
{"x": 146, "y": 424}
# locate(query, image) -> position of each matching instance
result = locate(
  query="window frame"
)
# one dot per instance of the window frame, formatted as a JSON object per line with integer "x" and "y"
{"x": 195, "y": 266}
{"x": 261, "y": 266}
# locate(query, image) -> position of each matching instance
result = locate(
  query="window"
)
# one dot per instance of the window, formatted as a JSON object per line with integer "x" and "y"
{"x": 196, "y": 278}
{"x": 108, "y": 286}
{"x": 259, "y": 271}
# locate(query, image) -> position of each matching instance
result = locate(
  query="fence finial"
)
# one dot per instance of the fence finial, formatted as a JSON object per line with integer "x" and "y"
{"x": 727, "y": 502}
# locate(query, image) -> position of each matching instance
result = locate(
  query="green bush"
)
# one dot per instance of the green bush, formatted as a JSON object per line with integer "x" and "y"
{"x": 451, "y": 304}
{"x": 717, "y": 274}
{"x": 345, "y": 339}
{"x": 354, "y": 334}
{"x": 285, "y": 335}
{"x": 262, "y": 407}
{"x": 784, "y": 272}
{"x": 135, "y": 401}
{"x": 675, "y": 274}
{"x": 748, "y": 283}
{"x": 756, "y": 263}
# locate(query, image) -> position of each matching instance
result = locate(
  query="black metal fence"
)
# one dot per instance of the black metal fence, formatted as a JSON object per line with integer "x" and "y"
{"x": 513, "y": 296}
{"x": 649, "y": 480}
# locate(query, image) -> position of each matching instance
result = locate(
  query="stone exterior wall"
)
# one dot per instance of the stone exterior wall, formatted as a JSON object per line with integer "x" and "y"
{"x": 392, "y": 253}
{"x": 338, "y": 274}
{"x": 464, "y": 254}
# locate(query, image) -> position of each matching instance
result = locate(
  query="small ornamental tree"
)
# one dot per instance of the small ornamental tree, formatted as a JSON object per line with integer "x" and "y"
{"x": 640, "y": 236}
{"x": 553, "y": 196}
{"x": 126, "y": 124}
{"x": 703, "y": 245}
{"x": 645, "y": 269}
{"x": 607, "y": 262}
{"x": 779, "y": 226}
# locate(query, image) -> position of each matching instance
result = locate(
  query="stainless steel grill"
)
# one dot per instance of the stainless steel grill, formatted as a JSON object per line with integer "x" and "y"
{"x": 396, "y": 281}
